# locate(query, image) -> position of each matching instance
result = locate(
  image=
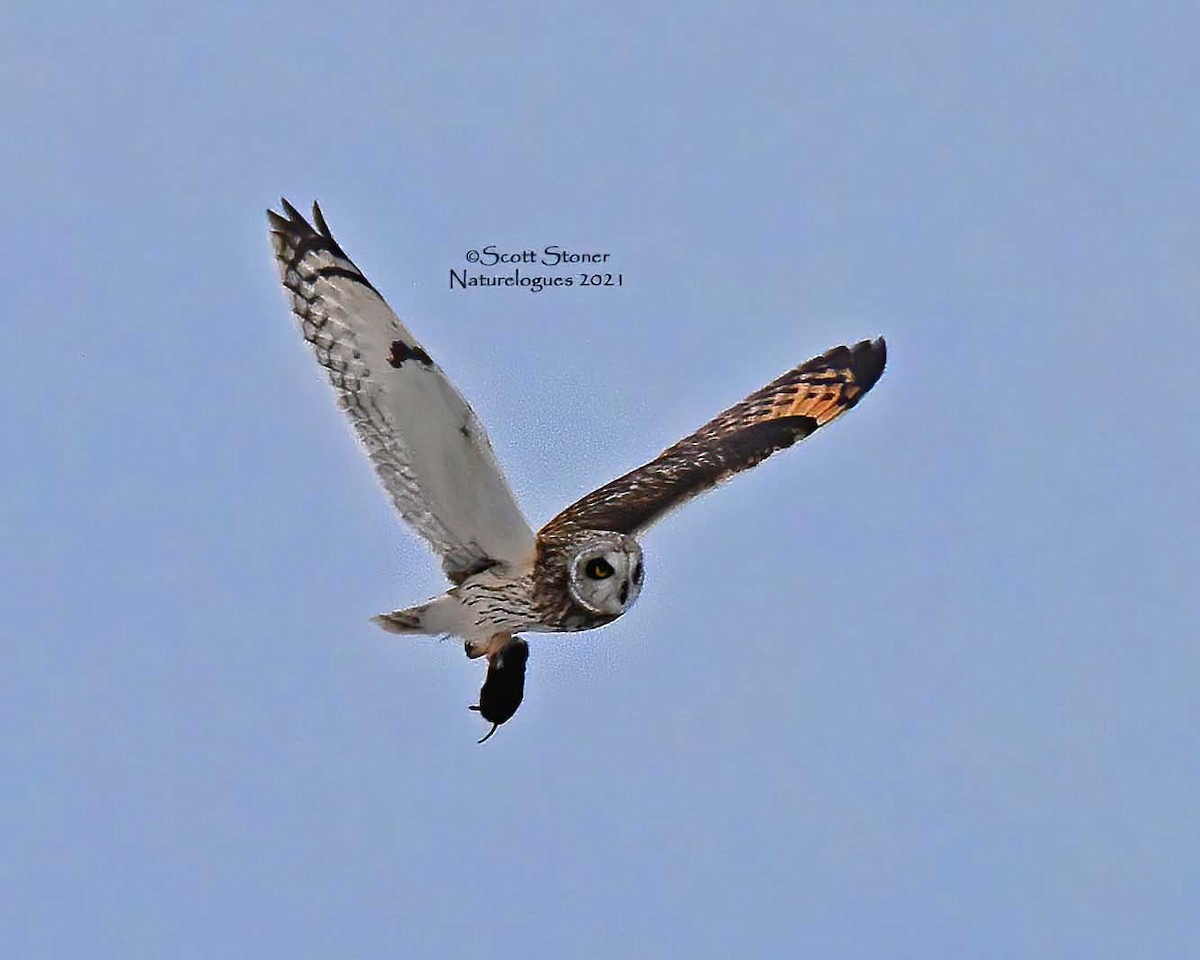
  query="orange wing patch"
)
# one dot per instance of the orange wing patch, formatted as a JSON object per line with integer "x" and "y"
{"x": 818, "y": 390}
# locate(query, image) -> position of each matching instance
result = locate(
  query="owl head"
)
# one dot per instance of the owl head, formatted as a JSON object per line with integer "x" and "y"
{"x": 605, "y": 572}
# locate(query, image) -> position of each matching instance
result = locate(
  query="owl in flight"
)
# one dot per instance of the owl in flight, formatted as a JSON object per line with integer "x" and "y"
{"x": 584, "y": 568}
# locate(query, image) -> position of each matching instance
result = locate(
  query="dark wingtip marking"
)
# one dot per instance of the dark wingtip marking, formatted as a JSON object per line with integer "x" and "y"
{"x": 864, "y": 361}
{"x": 401, "y": 351}
{"x": 867, "y": 360}
{"x": 319, "y": 221}
{"x": 302, "y": 233}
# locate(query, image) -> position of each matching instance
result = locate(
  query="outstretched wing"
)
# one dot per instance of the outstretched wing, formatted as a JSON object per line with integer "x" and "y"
{"x": 777, "y": 416}
{"x": 427, "y": 444}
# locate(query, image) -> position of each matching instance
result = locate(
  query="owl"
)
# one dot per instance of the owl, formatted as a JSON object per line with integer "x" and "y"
{"x": 585, "y": 567}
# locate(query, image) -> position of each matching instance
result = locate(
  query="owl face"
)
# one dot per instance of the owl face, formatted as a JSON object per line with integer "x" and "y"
{"x": 605, "y": 573}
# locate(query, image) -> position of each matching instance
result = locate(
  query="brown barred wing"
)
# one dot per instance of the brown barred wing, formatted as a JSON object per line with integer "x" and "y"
{"x": 777, "y": 416}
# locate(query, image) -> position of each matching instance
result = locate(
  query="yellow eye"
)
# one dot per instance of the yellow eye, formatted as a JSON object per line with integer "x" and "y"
{"x": 598, "y": 569}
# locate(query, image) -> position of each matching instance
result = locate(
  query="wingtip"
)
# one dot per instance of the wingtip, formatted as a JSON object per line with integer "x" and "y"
{"x": 319, "y": 221}
{"x": 289, "y": 220}
{"x": 292, "y": 212}
{"x": 292, "y": 223}
{"x": 867, "y": 360}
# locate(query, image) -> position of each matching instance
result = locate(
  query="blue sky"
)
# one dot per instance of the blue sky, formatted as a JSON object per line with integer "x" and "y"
{"x": 923, "y": 686}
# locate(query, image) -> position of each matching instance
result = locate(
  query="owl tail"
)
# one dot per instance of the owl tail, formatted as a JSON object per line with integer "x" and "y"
{"x": 444, "y": 614}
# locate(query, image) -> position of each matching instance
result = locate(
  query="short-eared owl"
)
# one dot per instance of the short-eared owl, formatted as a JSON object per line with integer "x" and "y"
{"x": 584, "y": 568}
